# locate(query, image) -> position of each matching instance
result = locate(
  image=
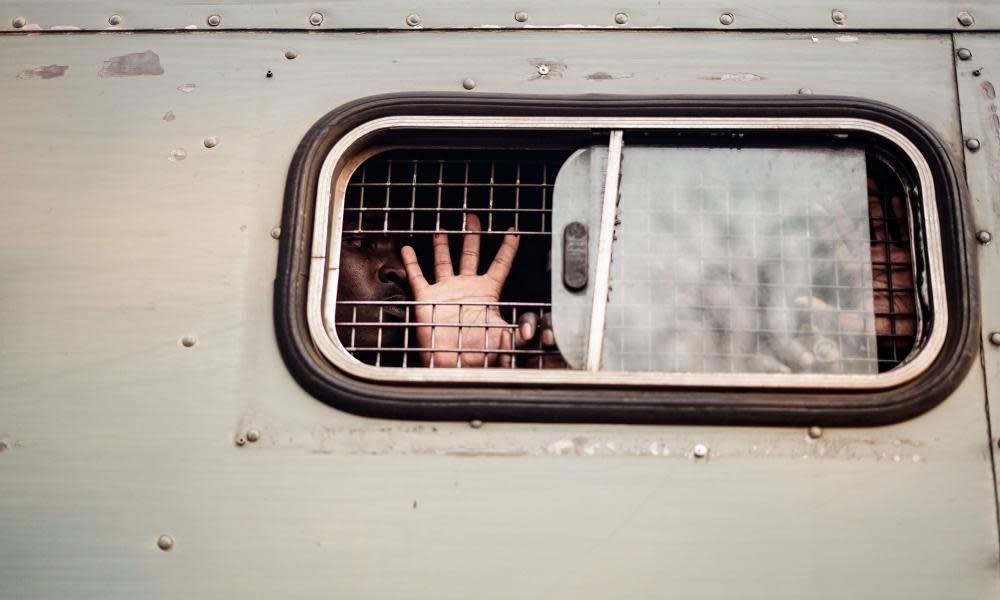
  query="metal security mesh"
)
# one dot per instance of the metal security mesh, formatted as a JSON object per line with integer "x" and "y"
{"x": 404, "y": 197}
{"x": 742, "y": 260}
{"x": 896, "y": 314}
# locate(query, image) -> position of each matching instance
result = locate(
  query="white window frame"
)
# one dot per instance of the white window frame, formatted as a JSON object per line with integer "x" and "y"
{"x": 349, "y": 152}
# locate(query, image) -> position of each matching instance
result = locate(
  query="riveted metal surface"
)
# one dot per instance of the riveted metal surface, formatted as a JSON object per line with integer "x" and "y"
{"x": 783, "y": 15}
{"x": 980, "y": 122}
{"x": 112, "y": 432}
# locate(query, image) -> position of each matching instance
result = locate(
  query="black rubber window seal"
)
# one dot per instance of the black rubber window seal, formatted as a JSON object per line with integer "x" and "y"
{"x": 824, "y": 407}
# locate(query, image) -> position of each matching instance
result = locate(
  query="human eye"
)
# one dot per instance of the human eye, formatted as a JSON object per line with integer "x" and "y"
{"x": 356, "y": 242}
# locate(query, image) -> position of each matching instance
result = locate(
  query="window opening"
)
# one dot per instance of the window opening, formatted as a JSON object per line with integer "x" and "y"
{"x": 429, "y": 194}
{"x": 403, "y": 198}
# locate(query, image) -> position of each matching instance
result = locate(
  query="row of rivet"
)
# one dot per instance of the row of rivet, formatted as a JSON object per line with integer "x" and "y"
{"x": 973, "y": 145}
{"x": 839, "y": 17}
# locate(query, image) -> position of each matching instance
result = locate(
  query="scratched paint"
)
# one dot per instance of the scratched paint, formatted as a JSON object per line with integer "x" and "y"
{"x": 734, "y": 77}
{"x": 555, "y": 68}
{"x": 46, "y": 72}
{"x": 605, "y": 76}
{"x": 135, "y": 64}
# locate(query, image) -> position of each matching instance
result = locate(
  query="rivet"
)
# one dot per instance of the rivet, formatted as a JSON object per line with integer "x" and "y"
{"x": 253, "y": 435}
{"x": 165, "y": 542}
{"x": 965, "y": 19}
{"x": 468, "y": 83}
{"x": 839, "y": 17}
{"x": 211, "y": 142}
{"x": 316, "y": 19}
{"x": 815, "y": 432}
{"x": 276, "y": 232}
{"x": 269, "y": 74}
{"x": 115, "y": 20}
{"x": 543, "y": 69}
{"x": 475, "y": 423}
{"x": 995, "y": 338}
{"x": 621, "y": 18}
{"x": 241, "y": 441}
{"x": 189, "y": 341}
{"x": 726, "y": 18}
{"x": 805, "y": 91}
{"x": 291, "y": 54}
{"x": 984, "y": 237}
{"x": 972, "y": 144}
{"x": 413, "y": 19}
{"x": 214, "y": 20}
{"x": 521, "y": 16}
{"x": 700, "y": 451}
{"x": 964, "y": 54}
{"x": 19, "y": 22}
{"x": 977, "y": 72}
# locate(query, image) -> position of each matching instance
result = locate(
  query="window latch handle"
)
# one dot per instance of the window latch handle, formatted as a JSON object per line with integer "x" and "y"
{"x": 576, "y": 250}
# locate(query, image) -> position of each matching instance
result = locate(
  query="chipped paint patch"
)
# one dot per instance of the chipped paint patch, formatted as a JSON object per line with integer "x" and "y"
{"x": 46, "y": 72}
{"x": 132, "y": 65}
{"x": 169, "y": 116}
{"x": 65, "y": 28}
{"x": 734, "y": 77}
{"x": 847, "y": 39}
{"x": 988, "y": 90}
{"x": 187, "y": 88}
{"x": 605, "y": 76}
{"x": 32, "y": 27}
{"x": 554, "y": 69}
{"x": 177, "y": 155}
{"x": 560, "y": 447}
{"x": 814, "y": 39}
{"x": 4, "y": 443}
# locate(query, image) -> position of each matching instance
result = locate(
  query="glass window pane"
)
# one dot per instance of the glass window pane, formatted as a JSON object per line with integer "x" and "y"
{"x": 741, "y": 260}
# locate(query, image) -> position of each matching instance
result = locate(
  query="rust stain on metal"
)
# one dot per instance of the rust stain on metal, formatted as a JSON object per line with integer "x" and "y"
{"x": 46, "y": 72}
{"x": 988, "y": 90}
{"x": 132, "y": 65}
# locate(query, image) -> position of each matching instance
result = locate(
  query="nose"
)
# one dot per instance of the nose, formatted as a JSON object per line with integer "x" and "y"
{"x": 392, "y": 272}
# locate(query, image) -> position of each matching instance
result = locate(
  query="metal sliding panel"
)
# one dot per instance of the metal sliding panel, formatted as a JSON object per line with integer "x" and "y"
{"x": 977, "y": 70}
{"x": 138, "y": 356}
{"x": 783, "y": 15}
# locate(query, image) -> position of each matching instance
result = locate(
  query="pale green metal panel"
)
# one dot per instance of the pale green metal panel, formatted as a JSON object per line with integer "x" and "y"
{"x": 783, "y": 15}
{"x": 978, "y": 79}
{"x": 115, "y": 433}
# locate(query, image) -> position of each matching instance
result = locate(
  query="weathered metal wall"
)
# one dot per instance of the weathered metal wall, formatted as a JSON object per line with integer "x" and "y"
{"x": 123, "y": 234}
{"x": 319, "y": 15}
{"x": 977, "y": 72}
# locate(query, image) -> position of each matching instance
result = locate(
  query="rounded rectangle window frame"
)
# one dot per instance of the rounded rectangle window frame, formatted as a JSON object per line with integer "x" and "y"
{"x": 321, "y": 364}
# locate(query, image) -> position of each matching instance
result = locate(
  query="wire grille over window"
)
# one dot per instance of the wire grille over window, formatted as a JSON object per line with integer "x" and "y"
{"x": 404, "y": 197}
{"x": 890, "y": 223}
{"x": 401, "y": 198}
